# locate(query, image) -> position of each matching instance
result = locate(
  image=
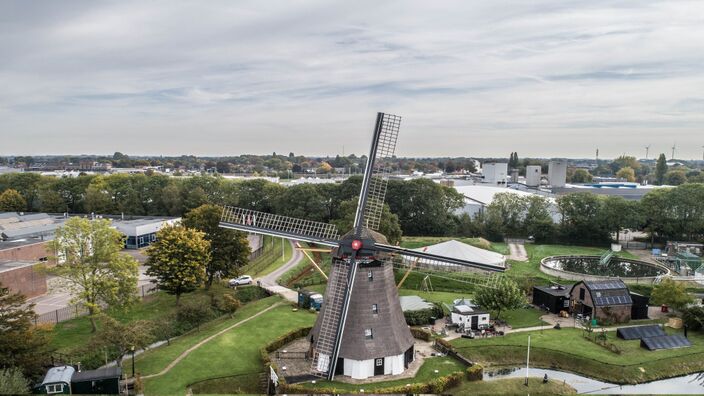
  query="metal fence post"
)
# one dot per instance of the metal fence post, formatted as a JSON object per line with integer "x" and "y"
{"x": 57, "y": 315}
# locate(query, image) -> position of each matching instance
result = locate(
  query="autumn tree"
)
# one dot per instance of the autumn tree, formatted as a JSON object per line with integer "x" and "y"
{"x": 178, "y": 259}
{"x": 506, "y": 296}
{"x": 92, "y": 265}
{"x": 627, "y": 173}
{"x": 12, "y": 201}
{"x": 23, "y": 346}
{"x": 229, "y": 249}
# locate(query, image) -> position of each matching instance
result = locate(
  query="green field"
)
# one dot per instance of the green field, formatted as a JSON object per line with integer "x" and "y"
{"x": 567, "y": 349}
{"x": 234, "y": 352}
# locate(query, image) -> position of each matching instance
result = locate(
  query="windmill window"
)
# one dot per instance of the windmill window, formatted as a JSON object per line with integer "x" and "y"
{"x": 368, "y": 334}
{"x": 370, "y": 276}
{"x": 375, "y": 309}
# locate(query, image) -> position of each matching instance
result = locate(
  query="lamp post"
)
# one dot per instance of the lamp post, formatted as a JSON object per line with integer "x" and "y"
{"x": 132, "y": 349}
{"x": 527, "y": 360}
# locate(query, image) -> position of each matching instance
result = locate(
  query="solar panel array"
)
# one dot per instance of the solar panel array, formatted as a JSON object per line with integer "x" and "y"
{"x": 620, "y": 299}
{"x": 636, "y": 332}
{"x": 665, "y": 342}
{"x": 605, "y": 285}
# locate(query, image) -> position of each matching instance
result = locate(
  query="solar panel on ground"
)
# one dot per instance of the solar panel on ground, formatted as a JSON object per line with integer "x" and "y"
{"x": 665, "y": 342}
{"x": 636, "y": 332}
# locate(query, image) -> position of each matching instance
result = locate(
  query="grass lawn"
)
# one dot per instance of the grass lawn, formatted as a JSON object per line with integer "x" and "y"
{"x": 522, "y": 317}
{"x": 75, "y": 332}
{"x": 232, "y": 353}
{"x": 566, "y": 349}
{"x": 512, "y": 386}
{"x": 445, "y": 365}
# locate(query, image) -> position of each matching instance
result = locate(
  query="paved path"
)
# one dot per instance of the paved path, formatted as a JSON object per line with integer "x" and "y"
{"x": 198, "y": 345}
{"x": 517, "y": 252}
{"x": 269, "y": 281}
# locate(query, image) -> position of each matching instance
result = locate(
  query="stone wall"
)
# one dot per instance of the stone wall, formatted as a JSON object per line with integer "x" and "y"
{"x": 25, "y": 280}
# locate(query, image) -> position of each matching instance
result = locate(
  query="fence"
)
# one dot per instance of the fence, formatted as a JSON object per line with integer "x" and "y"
{"x": 78, "y": 310}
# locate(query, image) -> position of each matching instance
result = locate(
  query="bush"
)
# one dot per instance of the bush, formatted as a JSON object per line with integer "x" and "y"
{"x": 192, "y": 315}
{"x": 693, "y": 317}
{"x": 421, "y": 334}
{"x": 475, "y": 372}
{"x": 423, "y": 316}
{"x": 250, "y": 293}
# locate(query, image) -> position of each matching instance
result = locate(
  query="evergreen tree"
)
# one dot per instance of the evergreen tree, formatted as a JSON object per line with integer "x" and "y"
{"x": 661, "y": 169}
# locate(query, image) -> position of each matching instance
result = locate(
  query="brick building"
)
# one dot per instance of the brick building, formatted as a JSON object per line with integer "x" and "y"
{"x": 22, "y": 277}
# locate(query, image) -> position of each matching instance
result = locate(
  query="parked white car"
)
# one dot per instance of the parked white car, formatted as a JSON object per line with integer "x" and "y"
{"x": 241, "y": 280}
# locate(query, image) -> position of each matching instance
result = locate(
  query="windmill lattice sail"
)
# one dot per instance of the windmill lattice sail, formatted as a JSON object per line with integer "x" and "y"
{"x": 388, "y": 135}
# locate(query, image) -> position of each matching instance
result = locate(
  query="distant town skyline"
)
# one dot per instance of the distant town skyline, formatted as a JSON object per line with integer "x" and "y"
{"x": 474, "y": 79}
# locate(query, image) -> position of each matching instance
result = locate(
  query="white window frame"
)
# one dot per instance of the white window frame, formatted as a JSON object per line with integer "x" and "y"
{"x": 368, "y": 334}
{"x": 54, "y": 388}
{"x": 379, "y": 362}
{"x": 375, "y": 309}
{"x": 370, "y": 275}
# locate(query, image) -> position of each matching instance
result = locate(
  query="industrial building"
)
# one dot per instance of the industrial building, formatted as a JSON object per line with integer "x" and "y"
{"x": 478, "y": 197}
{"x": 495, "y": 173}
{"x": 557, "y": 173}
{"x": 533, "y": 175}
{"x": 141, "y": 232}
{"x": 22, "y": 277}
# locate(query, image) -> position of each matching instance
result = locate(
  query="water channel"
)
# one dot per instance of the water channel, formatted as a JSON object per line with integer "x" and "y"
{"x": 692, "y": 384}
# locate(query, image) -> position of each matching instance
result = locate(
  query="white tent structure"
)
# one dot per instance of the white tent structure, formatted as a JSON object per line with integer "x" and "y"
{"x": 463, "y": 251}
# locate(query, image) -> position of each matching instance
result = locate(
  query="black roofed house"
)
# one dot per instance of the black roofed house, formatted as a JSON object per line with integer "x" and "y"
{"x": 554, "y": 298}
{"x": 103, "y": 381}
{"x": 604, "y": 300}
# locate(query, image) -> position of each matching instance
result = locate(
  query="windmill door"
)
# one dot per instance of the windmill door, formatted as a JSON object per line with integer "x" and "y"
{"x": 379, "y": 366}
{"x": 475, "y": 322}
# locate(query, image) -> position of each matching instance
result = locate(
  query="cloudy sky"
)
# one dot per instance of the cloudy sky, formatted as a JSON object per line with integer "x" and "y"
{"x": 470, "y": 78}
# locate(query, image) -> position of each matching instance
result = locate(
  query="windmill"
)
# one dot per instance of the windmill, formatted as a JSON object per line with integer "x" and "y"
{"x": 361, "y": 330}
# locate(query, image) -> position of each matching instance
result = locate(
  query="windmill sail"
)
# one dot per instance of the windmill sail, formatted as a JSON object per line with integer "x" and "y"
{"x": 279, "y": 226}
{"x": 429, "y": 260}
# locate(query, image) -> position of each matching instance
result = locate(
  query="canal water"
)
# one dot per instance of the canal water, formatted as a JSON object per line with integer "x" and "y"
{"x": 692, "y": 384}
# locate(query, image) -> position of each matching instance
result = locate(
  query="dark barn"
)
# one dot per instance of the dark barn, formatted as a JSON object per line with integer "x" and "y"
{"x": 639, "y": 310}
{"x": 554, "y": 298}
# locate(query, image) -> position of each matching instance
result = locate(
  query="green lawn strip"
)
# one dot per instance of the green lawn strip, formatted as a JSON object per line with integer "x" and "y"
{"x": 512, "y": 386}
{"x": 522, "y": 317}
{"x": 232, "y": 353}
{"x": 566, "y": 349}
{"x": 155, "y": 360}
{"x": 279, "y": 261}
{"x": 445, "y": 365}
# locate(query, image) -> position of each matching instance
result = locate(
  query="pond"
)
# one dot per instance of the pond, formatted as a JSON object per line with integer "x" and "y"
{"x": 616, "y": 267}
{"x": 692, "y": 384}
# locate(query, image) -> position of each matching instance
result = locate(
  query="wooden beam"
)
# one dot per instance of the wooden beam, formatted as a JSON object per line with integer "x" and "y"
{"x": 298, "y": 246}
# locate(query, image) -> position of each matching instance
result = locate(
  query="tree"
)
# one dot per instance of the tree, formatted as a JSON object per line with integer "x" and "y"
{"x": 538, "y": 221}
{"x": 660, "y": 169}
{"x": 91, "y": 263}
{"x": 505, "y": 297}
{"x": 675, "y": 177}
{"x": 229, "y": 249}
{"x": 122, "y": 338}
{"x": 693, "y": 317}
{"x": 581, "y": 176}
{"x": 581, "y": 218}
{"x": 12, "y": 201}
{"x": 13, "y": 382}
{"x": 22, "y": 345}
{"x": 671, "y": 293}
{"x": 509, "y": 210}
{"x": 389, "y": 225}
{"x": 423, "y": 206}
{"x": 626, "y": 173}
{"x": 618, "y": 213}
{"x": 177, "y": 259}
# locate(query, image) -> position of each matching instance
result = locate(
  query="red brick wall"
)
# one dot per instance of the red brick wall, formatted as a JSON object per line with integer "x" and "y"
{"x": 24, "y": 280}
{"x": 33, "y": 252}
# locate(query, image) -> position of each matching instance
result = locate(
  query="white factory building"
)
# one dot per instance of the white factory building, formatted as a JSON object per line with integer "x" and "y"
{"x": 495, "y": 173}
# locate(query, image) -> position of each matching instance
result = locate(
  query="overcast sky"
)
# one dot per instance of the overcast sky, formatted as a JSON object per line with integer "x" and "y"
{"x": 470, "y": 78}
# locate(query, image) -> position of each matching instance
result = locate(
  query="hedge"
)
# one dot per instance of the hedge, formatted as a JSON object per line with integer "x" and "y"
{"x": 475, "y": 372}
{"x": 421, "y": 334}
{"x": 423, "y": 316}
{"x": 278, "y": 343}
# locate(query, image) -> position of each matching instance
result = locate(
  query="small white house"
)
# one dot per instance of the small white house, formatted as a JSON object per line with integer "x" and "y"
{"x": 468, "y": 315}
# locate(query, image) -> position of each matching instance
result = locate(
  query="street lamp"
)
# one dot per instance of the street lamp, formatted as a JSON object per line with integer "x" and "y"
{"x": 132, "y": 349}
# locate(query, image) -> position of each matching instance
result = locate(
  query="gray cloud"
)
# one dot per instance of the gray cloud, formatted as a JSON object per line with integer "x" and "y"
{"x": 469, "y": 78}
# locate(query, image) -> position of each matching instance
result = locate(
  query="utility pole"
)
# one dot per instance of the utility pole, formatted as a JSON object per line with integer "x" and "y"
{"x": 673, "y": 151}
{"x": 647, "y": 148}
{"x": 527, "y": 360}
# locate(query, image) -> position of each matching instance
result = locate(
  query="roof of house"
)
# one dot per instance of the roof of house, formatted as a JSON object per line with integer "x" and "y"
{"x": 414, "y": 303}
{"x": 463, "y": 251}
{"x": 101, "y": 373}
{"x": 467, "y": 310}
{"x": 554, "y": 290}
{"x": 58, "y": 374}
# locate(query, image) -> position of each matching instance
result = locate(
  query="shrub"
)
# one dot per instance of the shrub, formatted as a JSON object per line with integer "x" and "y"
{"x": 421, "y": 334}
{"x": 693, "y": 317}
{"x": 192, "y": 315}
{"x": 475, "y": 372}
{"x": 423, "y": 316}
{"x": 250, "y": 293}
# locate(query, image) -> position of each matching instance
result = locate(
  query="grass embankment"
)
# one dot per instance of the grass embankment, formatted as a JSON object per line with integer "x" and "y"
{"x": 233, "y": 353}
{"x": 513, "y": 386}
{"x": 444, "y": 365}
{"x": 270, "y": 259}
{"x": 568, "y": 350}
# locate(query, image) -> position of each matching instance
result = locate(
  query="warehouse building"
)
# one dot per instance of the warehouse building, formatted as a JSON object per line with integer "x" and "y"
{"x": 141, "y": 232}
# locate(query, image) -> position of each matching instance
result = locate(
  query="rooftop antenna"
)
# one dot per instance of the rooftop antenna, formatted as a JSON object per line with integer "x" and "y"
{"x": 597, "y": 156}
{"x": 647, "y": 149}
{"x": 674, "y": 145}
